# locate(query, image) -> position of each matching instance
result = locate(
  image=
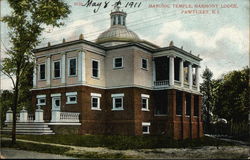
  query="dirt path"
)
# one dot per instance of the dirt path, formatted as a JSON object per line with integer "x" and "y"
{"x": 10, "y": 153}
{"x": 208, "y": 152}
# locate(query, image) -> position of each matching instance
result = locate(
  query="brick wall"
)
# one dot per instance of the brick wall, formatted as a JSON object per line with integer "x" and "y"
{"x": 127, "y": 121}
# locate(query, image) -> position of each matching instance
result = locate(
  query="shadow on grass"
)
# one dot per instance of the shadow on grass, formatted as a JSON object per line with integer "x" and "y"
{"x": 44, "y": 148}
{"x": 125, "y": 142}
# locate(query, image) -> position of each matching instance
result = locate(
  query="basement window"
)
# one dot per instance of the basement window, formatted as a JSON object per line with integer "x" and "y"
{"x": 41, "y": 100}
{"x": 117, "y": 101}
{"x": 144, "y": 102}
{"x": 95, "y": 101}
{"x": 145, "y": 127}
{"x": 71, "y": 97}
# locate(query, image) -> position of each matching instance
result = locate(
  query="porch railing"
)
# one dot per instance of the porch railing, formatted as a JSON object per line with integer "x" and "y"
{"x": 177, "y": 83}
{"x": 161, "y": 83}
{"x": 31, "y": 118}
{"x": 69, "y": 117}
{"x": 17, "y": 117}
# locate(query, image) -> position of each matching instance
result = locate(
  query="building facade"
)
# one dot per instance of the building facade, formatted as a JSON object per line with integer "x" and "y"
{"x": 119, "y": 85}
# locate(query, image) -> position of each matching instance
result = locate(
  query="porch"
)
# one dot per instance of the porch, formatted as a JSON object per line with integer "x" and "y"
{"x": 35, "y": 124}
{"x": 173, "y": 71}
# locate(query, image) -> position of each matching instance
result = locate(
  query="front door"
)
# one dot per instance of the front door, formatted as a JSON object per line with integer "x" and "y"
{"x": 56, "y": 103}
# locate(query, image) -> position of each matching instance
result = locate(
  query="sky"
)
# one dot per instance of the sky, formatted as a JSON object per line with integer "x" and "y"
{"x": 216, "y": 30}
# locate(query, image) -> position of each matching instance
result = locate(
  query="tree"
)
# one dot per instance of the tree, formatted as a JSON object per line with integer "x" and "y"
{"x": 5, "y": 103}
{"x": 206, "y": 90}
{"x": 26, "y": 22}
{"x": 232, "y": 96}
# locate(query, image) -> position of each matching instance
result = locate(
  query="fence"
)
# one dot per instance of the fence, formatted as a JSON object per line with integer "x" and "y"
{"x": 238, "y": 130}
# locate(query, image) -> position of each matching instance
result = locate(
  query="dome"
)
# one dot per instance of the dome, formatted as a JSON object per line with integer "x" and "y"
{"x": 117, "y": 33}
{"x": 118, "y": 30}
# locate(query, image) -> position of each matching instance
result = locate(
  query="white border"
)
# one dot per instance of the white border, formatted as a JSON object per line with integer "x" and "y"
{"x": 71, "y": 93}
{"x": 55, "y": 95}
{"x": 69, "y": 66}
{"x": 39, "y": 76}
{"x": 114, "y": 67}
{"x": 99, "y": 70}
{"x": 53, "y": 69}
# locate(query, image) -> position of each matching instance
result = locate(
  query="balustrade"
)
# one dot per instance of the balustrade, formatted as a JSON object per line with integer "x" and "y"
{"x": 69, "y": 117}
{"x": 161, "y": 83}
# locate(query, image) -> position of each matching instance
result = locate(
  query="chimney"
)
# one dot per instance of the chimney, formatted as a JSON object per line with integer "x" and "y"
{"x": 171, "y": 43}
{"x": 81, "y": 37}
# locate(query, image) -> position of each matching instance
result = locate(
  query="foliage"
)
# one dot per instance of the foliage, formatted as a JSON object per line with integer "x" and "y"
{"x": 206, "y": 89}
{"x": 124, "y": 142}
{"x": 26, "y": 83}
{"x": 232, "y": 96}
{"x": 228, "y": 98}
{"x": 26, "y": 22}
{"x": 5, "y": 104}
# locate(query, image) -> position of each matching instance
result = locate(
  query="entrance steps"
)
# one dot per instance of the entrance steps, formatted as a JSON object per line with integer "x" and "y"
{"x": 33, "y": 128}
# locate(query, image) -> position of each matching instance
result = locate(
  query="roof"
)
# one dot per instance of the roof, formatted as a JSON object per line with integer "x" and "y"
{"x": 130, "y": 44}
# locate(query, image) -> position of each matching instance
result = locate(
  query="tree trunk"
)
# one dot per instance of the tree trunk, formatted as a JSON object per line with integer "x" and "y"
{"x": 15, "y": 110}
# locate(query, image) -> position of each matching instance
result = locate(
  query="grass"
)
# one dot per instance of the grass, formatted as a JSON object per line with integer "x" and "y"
{"x": 35, "y": 147}
{"x": 125, "y": 142}
{"x": 44, "y": 148}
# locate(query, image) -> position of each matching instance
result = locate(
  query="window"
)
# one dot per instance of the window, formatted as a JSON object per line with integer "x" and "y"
{"x": 196, "y": 105}
{"x": 41, "y": 100}
{"x": 161, "y": 105}
{"x": 188, "y": 104}
{"x": 114, "y": 20}
{"x": 72, "y": 67}
{"x": 95, "y": 101}
{"x": 118, "y": 62}
{"x": 144, "y": 102}
{"x": 117, "y": 101}
{"x": 144, "y": 63}
{"x": 119, "y": 19}
{"x": 71, "y": 97}
{"x": 42, "y": 71}
{"x": 145, "y": 127}
{"x": 178, "y": 103}
{"x": 57, "y": 68}
{"x": 95, "y": 69}
{"x": 124, "y": 19}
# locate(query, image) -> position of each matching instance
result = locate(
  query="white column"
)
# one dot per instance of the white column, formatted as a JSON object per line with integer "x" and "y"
{"x": 81, "y": 66}
{"x": 116, "y": 19}
{"x": 48, "y": 71}
{"x": 121, "y": 20}
{"x": 154, "y": 75}
{"x": 39, "y": 115}
{"x": 34, "y": 75}
{"x": 55, "y": 117}
{"x": 23, "y": 115}
{"x": 197, "y": 78}
{"x": 63, "y": 67}
{"x": 181, "y": 74}
{"x": 112, "y": 20}
{"x": 83, "y": 69}
{"x": 171, "y": 70}
{"x": 9, "y": 116}
{"x": 190, "y": 76}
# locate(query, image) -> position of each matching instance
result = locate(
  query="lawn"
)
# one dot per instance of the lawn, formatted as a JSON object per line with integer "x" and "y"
{"x": 124, "y": 142}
